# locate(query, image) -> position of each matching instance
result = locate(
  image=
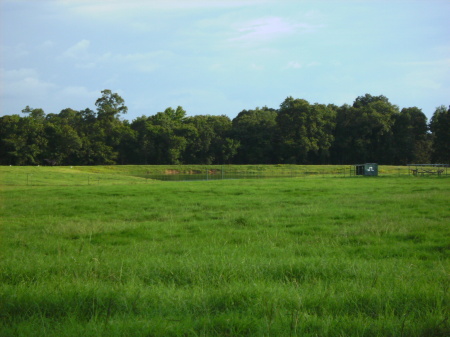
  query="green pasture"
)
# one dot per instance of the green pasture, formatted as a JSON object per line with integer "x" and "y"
{"x": 132, "y": 174}
{"x": 128, "y": 256}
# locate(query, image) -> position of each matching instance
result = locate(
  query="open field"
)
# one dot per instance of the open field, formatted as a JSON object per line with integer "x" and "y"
{"x": 130, "y": 174}
{"x": 259, "y": 257}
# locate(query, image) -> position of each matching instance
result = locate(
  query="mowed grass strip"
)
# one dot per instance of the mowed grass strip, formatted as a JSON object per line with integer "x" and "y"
{"x": 276, "y": 257}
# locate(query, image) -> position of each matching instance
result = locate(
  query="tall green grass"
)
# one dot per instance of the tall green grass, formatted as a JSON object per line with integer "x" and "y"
{"x": 277, "y": 257}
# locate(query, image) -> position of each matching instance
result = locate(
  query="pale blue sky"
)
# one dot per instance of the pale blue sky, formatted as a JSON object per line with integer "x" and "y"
{"x": 222, "y": 56}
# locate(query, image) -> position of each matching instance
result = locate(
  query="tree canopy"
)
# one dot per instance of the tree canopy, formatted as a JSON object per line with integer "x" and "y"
{"x": 372, "y": 129}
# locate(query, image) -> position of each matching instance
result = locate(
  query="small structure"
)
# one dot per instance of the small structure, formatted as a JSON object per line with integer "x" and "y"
{"x": 428, "y": 169}
{"x": 368, "y": 169}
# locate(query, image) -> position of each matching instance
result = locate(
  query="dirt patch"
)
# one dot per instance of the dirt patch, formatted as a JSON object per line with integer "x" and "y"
{"x": 172, "y": 172}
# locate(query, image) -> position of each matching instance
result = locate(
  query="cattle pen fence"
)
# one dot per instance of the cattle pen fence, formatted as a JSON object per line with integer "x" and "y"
{"x": 82, "y": 176}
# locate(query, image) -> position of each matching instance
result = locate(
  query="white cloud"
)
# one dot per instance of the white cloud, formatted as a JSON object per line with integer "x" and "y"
{"x": 14, "y": 52}
{"x": 426, "y": 75}
{"x": 146, "y": 62}
{"x": 220, "y": 44}
{"x": 47, "y": 44}
{"x": 134, "y": 13}
{"x": 101, "y": 7}
{"x": 266, "y": 29}
{"x": 255, "y": 66}
{"x": 445, "y": 63}
{"x": 21, "y": 87}
{"x": 263, "y": 29}
{"x": 76, "y": 97}
{"x": 23, "y": 81}
{"x": 293, "y": 65}
{"x": 25, "y": 87}
{"x": 141, "y": 61}
{"x": 79, "y": 50}
{"x": 82, "y": 56}
{"x": 299, "y": 65}
{"x": 86, "y": 65}
{"x": 192, "y": 100}
{"x": 78, "y": 91}
{"x": 430, "y": 80}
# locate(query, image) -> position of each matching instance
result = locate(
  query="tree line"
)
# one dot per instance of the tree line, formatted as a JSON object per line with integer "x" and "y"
{"x": 370, "y": 130}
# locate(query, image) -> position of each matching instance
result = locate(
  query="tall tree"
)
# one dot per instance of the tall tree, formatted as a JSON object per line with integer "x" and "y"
{"x": 368, "y": 99}
{"x": 36, "y": 114}
{"x": 256, "y": 131}
{"x": 23, "y": 138}
{"x": 223, "y": 147}
{"x": 411, "y": 140}
{"x": 372, "y": 129}
{"x": 377, "y": 119}
{"x": 64, "y": 143}
{"x": 440, "y": 128}
{"x": 199, "y": 147}
{"x": 144, "y": 144}
{"x": 110, "y": 105}
{"x": 346, "y": 147}
{"x": 11, "y": 140}
{"x": 208, "y": 140}
{"x": 364, "y": 131}
{"x": 306, "y": 131}
{"x": 166, "y": 135}
{"x": 108, "y": 128}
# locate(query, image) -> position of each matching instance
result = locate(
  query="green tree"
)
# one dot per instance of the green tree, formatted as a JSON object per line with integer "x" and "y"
{"x": 256, "y": 132}
{"x": 223, "y": 147}
{"x": 63, "y": 140}
{"x": 199, "y": 147}
{"x": 306, "y": 131}
{"x": 36, "y": 114}
{"x": 207, "y": 141}
{"x": 367, "y": 100}
{"x": 346, "y": 148}
{"x": 411, "y": 139}
{"x": 23, "y": 139}
{"x": 110, "y": 105}
{"x": 440, "y": 128}
{"x": 94, "y": 135}
{"x": 11, "y": 140}
{"x": 143, "y": 146}
{"x": 378, "y": 118}
{"x": 364, "y": 131}
{"x": 165, "y": 137}
{"x": 102, "y": 134}
{"x": 127, "y": 148}
{"x": 229, "y": 148}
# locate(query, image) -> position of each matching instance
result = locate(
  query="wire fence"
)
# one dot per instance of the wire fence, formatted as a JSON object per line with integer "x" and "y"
{"x": 51, "y": 179}
{"x": 48, "y": 178}
{"x": 229, "y": 174}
